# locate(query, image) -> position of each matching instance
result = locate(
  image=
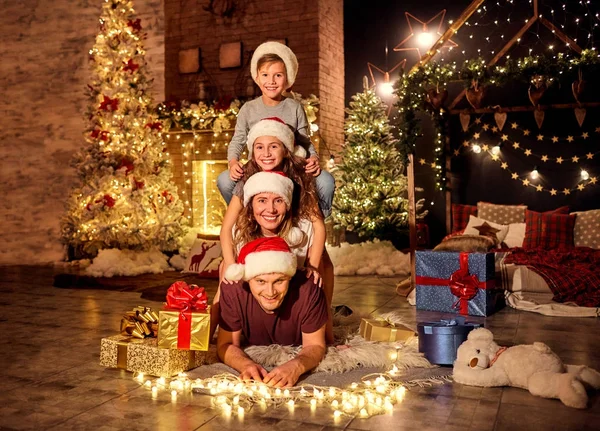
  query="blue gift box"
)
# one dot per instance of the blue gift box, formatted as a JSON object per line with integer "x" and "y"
{"x": 439, "y": 341}
{"x": 457, "y": 282}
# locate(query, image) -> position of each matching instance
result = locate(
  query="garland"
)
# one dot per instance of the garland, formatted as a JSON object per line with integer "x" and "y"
{"x": 221, "y": 114}
{"x": 425, "y": 90}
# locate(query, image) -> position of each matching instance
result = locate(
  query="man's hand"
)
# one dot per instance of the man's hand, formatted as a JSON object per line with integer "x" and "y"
{"x": 283, "y": 376}
{"x": 236, "y": 170}
{"x": 312, "y": 166}
{"x": 253, "y": 372}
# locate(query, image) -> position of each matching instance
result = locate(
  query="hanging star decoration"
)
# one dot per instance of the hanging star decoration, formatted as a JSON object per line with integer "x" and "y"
{"x": 411, "y": 43}
{"x": 386, "y": 73}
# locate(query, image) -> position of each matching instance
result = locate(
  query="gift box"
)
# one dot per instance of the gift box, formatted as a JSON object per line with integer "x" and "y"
{"x": 184, "y": 323}
{"x": 382, "y": 330}
{"x": 457, "y": 282}
{"x": 184, "y": 331}
{"x": 439, "y": 341}
{"x": 143, "y": 355}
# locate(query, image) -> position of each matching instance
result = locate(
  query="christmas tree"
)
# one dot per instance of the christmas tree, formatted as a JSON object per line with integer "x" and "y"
{"x": 125, "y": 199}
{"x": 372, "y": 197}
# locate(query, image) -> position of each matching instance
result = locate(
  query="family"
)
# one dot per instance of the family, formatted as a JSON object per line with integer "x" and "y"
{"x": 276, "y": 279}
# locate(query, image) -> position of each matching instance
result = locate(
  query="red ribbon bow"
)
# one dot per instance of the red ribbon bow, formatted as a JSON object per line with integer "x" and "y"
{"x": 186, "y": 298}
{"x": 462, "y": 284}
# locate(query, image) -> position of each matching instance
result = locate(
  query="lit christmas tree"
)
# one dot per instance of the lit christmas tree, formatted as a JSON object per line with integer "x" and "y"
{"x": 126, "y": 199}
{"x": 371, "y": 199}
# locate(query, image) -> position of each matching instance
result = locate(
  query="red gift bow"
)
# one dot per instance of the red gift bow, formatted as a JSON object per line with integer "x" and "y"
{"x": 462, "y": 284}
{"x": 186, "y": 298}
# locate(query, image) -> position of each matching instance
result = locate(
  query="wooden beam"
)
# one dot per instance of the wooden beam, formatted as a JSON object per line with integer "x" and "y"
{"x": 448, "y": 193}
{"x": 525, "y": 108}
{"x": 412, "y": 217}
{"x": 514, "y": 39}
{"x": 561, "y": 35}
{"x": 448, "y": 34}
{"x": 457, "y": 99}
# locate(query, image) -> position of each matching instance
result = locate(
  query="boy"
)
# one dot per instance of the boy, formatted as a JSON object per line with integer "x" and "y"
{"x": 274, "y": 67}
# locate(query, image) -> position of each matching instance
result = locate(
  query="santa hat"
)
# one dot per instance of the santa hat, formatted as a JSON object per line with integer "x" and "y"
{"x": 272, "y": 182}
{"x": 279, "y": 49}
{"x": 274, "y": 126}
{"x": 263, "y": 256}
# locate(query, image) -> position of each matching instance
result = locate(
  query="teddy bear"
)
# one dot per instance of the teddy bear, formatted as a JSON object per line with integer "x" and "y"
{"x": 482, "y": 362}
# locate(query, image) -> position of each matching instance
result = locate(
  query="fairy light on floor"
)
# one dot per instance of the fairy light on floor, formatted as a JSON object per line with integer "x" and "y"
{"x": 375, "y": 394}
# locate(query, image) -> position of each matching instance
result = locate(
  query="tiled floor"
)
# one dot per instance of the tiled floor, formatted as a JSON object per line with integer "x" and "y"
{"x": 50, "y": 377}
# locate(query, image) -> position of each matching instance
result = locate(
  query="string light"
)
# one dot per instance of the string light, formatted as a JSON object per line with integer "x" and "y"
{"x": 585, "y": 175}
{"x": 376, "y": 394}
{"x": 534, "y": 173}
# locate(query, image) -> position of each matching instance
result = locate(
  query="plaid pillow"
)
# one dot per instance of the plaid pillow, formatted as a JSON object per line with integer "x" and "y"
{"x": 460, "y": 216}
{"x": 501, "y": 214}
{"x": 548, "y": 230}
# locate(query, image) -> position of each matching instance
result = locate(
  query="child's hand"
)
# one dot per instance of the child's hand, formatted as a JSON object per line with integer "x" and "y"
{"x": 312, "y": 272}
{"x": 236, "y": 170}
{"x": 312, "y": 166}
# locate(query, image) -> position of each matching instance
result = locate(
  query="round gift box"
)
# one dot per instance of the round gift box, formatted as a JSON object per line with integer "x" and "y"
{"x": 439, "y": 341}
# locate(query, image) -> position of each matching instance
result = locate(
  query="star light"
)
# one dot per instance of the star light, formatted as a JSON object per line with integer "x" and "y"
{"x": 504, "y": 165}
{"x": 526, "y": 132}
{"x": 570, "y": 139}
{"x": 528, "y": 152}
{"x": 566, "y": 191}
{"x": 575, "y": 159}
{"x": 559, "y": 160}
{"x": 589, "y": 156}
{"x": 553, "y": 192}
{"x": 514, "y": 125}
{"x": 539, "y": 188}
{"x": 540, "y": 137}
{"x": 466, "y": 143}
{"x": 525, "y": 182}
{"x": 555, "y": 139}
{"x": 504, "y": 137}
{"x": 585, "y": 135}
{"x": 593, "y": 180}
{"x": 476, "y": 135}
{"x": 516, "y": 145}
{"x": 580, "y": 187}
{"x": 545, "y": 158}
{"x": 485, "y": 127}
{"x": 422, "y": 161}
{"x": 514, "y": 176}
{"x": 424, "y": 38}
{"x": 386, "y": 87}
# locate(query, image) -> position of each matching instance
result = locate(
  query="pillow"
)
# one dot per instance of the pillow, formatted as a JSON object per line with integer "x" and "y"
{"x": 515, "y": 235}
{"x": 204, "y": 258}
{"x": 478, "y": 226}
{"x": 587, "y": 229}
{"x": 548, "y": 230}
{"x": 460, "y": 216}
{"x": 501, "y": 214}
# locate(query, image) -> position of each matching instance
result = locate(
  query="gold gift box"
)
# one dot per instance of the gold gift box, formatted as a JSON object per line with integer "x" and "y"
{"x": 168, "y": 325}
{"x": 380, "y": 330}
{"x": 144, "y": 356}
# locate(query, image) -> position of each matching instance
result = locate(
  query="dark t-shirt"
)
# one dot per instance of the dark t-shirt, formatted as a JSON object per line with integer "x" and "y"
{"x": 304, "y": 309}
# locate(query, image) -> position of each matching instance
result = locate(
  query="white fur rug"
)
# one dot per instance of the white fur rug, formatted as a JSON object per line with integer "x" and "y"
{"x": 359, "y": 354}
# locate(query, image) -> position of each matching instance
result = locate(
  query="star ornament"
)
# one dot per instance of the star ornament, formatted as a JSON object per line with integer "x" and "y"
{"x": 422, "y": 161}
{"x": 425, "y": 35}
{"x": 486, "y": 230}
{"x": 580, "y": 187}
{"x": 386, "y": 73}
{"x": 539, "y": 188}
{"x": 515, "y": 176}
{"x": 553, "y": 192}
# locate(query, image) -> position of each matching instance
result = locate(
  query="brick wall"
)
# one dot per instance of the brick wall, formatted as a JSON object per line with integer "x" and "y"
{"x": 44, "y": 48}
{"x": 313, "y": 30}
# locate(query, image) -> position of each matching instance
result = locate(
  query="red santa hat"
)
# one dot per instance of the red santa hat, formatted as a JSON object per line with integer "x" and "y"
{"x": 274, "y": 126}
{"x": 279, "y": 49}
{"x": 263, "y": 256}
{"x": 271, "y": 182}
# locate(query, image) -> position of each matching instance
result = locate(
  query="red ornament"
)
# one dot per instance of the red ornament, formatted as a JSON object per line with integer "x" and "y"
{"x": 168, "y": 196}
{"x": 157, "y": 125}
{"x": 107, "y": 200}
{"x": 136, "y": 25}
{"x": 223, "y": 103}
{"x": 109, "y": 104}
{"x": 138, "y": 184}
{"x": 127, "y": 164}
{"x": 130, "y": 66}
{"x": 102, "y": 134}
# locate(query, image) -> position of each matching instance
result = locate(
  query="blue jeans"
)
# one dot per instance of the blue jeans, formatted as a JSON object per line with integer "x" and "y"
{"x": 324, "y": 183}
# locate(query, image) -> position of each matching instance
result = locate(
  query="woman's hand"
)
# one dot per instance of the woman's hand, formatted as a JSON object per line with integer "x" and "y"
{"x": 312, "y": 272}
{"x": 224, "y": 280}
{"x": 236, "y": 170}
{"x": 312, "y": 166}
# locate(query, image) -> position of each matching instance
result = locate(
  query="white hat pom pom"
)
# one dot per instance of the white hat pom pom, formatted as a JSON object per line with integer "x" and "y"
{"x": 300, "y": 151}
{"x": 235, "y": 272}
{"x": 295, "y": 237}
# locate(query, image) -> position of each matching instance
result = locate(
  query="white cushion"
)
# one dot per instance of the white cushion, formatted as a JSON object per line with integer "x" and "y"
{"x": 204, "y": 258}
{"x": 476, "y": 221}
{"x": 515, "y": 235}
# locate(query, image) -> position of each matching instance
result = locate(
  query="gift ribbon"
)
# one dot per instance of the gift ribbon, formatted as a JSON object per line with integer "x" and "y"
{"x": 141, "y": 322}
{"x": 186, "y": 298}
{"x": 462, "y": 284}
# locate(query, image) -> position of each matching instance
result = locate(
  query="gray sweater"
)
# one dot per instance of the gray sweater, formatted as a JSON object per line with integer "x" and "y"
{"x": 289, "y": 110}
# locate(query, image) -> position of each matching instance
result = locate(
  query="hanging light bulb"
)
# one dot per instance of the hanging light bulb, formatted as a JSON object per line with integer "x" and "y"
{"x": 331, "y": 162}
{"x": 476, "y": 148}
{"x": 496, "y": 149}
{"x": 534, "y": 174}
{"x": 585, "y": 175}
{"x": 425, "y": 39}
{"x": 386, "y": 89}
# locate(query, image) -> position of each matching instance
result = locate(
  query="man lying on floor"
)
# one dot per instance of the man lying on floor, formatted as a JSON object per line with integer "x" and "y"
{"x": 273, "y": 304}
